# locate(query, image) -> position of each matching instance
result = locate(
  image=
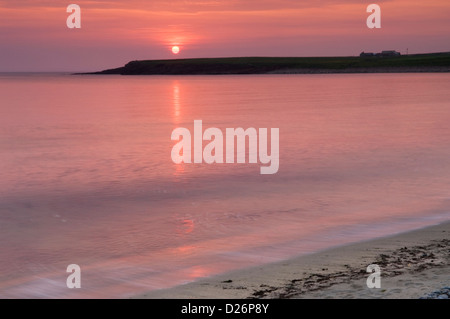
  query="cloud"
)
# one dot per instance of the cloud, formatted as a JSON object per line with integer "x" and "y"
{"x": 186, "y": 5}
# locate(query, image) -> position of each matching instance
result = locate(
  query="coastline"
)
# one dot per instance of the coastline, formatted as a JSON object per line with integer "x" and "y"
{"x": 428, "y": 62}
{"x": 418, "y": 69}
{"x": 412, "y": 264}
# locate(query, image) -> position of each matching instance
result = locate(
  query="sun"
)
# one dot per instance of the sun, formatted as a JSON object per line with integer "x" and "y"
{"x": 175, "y": 50}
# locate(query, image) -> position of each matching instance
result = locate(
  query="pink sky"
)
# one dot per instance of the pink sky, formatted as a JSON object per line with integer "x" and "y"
{"x": 34, "y": 35}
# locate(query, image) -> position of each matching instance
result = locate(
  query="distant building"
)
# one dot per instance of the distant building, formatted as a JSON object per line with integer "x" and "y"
{"x": 366, "y": 54}
{"x": 388, "y": 53}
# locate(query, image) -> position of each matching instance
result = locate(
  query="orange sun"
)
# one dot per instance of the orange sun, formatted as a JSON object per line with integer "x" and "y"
{"x": 175, "y": 50}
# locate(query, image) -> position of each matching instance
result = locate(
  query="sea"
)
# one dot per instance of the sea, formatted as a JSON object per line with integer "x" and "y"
{"x": 87, "y": 177}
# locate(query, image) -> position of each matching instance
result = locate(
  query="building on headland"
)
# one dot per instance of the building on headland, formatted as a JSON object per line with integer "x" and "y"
{"x": 366, "y": 54}
{"x": 388, "y": 53}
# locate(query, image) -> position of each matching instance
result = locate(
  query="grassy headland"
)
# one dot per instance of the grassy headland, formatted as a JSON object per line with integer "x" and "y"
{"x": 431, "y": 62}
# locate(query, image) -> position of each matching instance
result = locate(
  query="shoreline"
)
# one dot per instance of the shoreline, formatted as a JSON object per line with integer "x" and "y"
{"x": 379, "y": 70}
{"x": 428, "y": 62}
{"x": 383, "y": 70}
{"x": 412, "y": 263}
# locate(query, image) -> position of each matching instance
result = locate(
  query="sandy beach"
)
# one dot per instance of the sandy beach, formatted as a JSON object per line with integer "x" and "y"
{"x": 412, "y": 264}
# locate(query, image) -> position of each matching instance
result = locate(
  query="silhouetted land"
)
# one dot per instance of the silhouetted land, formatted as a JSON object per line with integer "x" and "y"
{"x": 432, "y": 62}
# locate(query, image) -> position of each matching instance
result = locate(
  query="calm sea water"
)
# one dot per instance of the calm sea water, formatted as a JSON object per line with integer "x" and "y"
{"x": 87, "y": 177}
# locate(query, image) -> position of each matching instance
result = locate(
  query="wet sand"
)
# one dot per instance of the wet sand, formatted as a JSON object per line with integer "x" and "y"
{"x": 412, "y": 264}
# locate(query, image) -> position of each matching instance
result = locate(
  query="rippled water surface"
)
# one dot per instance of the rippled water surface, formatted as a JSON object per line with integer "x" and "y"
{"x": 87, "y": 177}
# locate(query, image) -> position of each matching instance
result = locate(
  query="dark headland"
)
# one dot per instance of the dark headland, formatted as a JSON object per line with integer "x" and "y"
{"x": 431, "y": 62}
